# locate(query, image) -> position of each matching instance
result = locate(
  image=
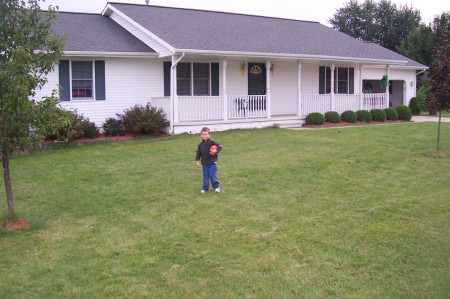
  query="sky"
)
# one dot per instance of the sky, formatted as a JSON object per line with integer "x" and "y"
{"x": 317, "y": 10}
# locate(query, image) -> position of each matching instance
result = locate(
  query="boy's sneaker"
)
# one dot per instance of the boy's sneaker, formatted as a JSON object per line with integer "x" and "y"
{"x": 217, "y": 190}
{"x": 203, "y": 191}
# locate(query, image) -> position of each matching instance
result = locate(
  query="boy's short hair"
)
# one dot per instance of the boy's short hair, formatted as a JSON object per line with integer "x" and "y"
{"x": 205, "y": 129}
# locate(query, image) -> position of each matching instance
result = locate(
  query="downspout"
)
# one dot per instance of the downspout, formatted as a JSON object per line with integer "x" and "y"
{"x": 173, "y": 94}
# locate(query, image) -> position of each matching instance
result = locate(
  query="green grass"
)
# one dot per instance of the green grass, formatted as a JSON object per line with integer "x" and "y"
{"x": 358, "y": 212}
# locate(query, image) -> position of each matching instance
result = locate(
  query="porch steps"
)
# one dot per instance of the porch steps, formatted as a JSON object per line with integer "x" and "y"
{"x": 290, "y": 124}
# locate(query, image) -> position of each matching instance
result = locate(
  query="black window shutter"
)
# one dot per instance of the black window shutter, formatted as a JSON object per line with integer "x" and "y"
{"x": 214, "y": 79}
{"x": 321, "y": 80}
{"x": 64, "y": 80}
{"x": 100, "y": 80}
{"x": 351, "y": 78}
{"x": 167, "y": 66}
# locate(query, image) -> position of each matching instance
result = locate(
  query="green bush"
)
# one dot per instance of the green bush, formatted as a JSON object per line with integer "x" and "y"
{"x": 79, "y": 126}
{"x": 142, "y": 119}
{"x": 414, "y": 106}
{"x": 332, "y": 117}
{"x": 391, "y": 113}
{"x": 113, "y": 127}
{"x": 364, "y": 115}
{"x": 378, "y": 115}
{"x": 349, "y": 116}
{"x": 422, "y": 97}
{"x": 315, "y": 118}
{"x": 404, "y": 113}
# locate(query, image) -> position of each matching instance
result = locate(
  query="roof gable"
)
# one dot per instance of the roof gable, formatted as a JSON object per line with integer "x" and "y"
{"x": 95, "y": 33}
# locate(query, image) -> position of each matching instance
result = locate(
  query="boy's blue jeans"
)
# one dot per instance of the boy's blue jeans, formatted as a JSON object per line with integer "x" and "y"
{"x": 210, "y": 174}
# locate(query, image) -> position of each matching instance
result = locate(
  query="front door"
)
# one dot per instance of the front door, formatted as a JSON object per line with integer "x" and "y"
{"x": 256, "y": 79}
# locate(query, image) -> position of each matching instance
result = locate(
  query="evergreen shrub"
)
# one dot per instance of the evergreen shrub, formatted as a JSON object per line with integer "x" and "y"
{"x": 144, "y": 119}
{"x": 391, "y": 113}
{"x": 364, "y": 115}
{"x": 404, "y": 113}
{"x": 349, "y": 116}
{"x": 315, "y": 118}
{"x": 332, "y": 117}
{"x": 414, "y": 106}
{"x": 378, "y": 115}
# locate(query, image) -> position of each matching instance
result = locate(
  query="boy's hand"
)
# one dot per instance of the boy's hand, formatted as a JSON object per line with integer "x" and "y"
{"x": 213, "y": 152}
{"x": 198, "y": 164}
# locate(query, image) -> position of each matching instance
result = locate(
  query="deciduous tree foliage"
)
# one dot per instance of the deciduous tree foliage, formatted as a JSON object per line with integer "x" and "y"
{"x": 440, "y": 80}
{"x": 28, "y": 52}
{"x": 383, "y": 23}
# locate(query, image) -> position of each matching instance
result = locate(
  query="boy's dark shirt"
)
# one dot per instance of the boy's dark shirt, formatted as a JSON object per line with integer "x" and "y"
{"x": 203, "y": 151}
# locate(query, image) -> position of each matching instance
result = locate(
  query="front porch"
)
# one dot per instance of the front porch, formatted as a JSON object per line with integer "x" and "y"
{"x": 238, "y": 111}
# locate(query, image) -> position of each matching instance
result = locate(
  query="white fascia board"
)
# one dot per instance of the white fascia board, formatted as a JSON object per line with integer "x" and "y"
{"x": 111, "y": 54}
{"x": 292, "y": 56}
{"x": 110, "y": 9}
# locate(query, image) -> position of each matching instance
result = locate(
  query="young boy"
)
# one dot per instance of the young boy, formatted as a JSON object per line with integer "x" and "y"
{"x": 207, "y": 153}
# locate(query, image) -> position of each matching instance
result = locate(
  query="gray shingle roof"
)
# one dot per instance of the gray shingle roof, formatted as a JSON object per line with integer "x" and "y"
{"x": 97, "y": 33}
{"x": 218, "y": 31}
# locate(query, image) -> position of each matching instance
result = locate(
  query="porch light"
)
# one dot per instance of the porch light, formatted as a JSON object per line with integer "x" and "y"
{"x": 243, "y": 67}
{"x": 272, "y": 68}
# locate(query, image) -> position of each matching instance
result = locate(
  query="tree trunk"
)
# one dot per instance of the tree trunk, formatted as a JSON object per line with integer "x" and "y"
{"x": 9, "y": 194}
{"x": 438, "y": 146}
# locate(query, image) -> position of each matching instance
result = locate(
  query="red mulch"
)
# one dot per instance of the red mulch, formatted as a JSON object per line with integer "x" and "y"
{"x": 16, "y": 224}
{"x": 347, "y": 124}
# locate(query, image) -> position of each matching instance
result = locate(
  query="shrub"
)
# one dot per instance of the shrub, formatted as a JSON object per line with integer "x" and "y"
{"x": 333, "y": 117}
{"x": 404, "y": 113}
{"x": 89, "y": 129}
{"x": 349, "y": 116}
{"x": 364, "y": 115}
{"x": 423, "y": 94}
{"x": 378, "y": 115}
{"x": 142, "y": 119}
{"x": 315, "y": 118}
{"x": 414, "y": 106}
{"x": 391, "y": 113}
{"x": 78, "y": 126}
{"x": 113, "y": 127}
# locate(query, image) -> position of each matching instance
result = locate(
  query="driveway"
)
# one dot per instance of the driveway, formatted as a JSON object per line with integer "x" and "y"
{"x": 419, "y": 119}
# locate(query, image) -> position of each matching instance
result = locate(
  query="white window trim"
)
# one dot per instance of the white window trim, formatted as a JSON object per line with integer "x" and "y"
{"x": 84, "y": 99}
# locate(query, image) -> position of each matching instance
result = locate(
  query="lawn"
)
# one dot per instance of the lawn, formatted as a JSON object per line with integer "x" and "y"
{"x": 358, "y": 212}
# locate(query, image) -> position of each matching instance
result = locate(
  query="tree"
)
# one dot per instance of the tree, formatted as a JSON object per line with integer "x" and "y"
{"x": 440, "y": 81}
{"x": 383, "y": 23}
{"x": 28, "y": 52}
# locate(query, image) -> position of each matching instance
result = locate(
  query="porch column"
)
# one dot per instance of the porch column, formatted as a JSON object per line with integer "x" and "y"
{"x": 387, "y": 87}
{"x": 361, "y": 96}
{"x": 224, "y": 89}
{"x": 299, "y": 89}
{"x": 174, "y": 94}
{"x": 268, "y": 97}
{"x": 332, "y": 87}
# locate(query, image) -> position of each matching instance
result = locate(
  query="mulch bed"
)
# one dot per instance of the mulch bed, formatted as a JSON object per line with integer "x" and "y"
{"x": 16, "y": 224}
{"x": 347, "y": 124}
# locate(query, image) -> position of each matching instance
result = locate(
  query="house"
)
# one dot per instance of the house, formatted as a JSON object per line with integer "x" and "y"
{"x": 221, "y": 70}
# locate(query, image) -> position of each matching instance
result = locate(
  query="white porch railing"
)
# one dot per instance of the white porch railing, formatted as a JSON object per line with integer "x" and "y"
{"x": 199, "y": 108}
{"x": 374, "y": 101}
{"x": 315, "y": 103}
{"x": 322, "y": 102}
{"x": 247, "y": 106}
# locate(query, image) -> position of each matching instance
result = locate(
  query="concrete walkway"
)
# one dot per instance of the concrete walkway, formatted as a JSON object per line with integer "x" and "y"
{"x": 419, "y": 119}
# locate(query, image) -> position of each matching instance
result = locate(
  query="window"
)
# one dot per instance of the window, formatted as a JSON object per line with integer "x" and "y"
{"x": 82, "y": 79}
{"x": 193, "y": 79}
{"x": 343, "y": 80}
